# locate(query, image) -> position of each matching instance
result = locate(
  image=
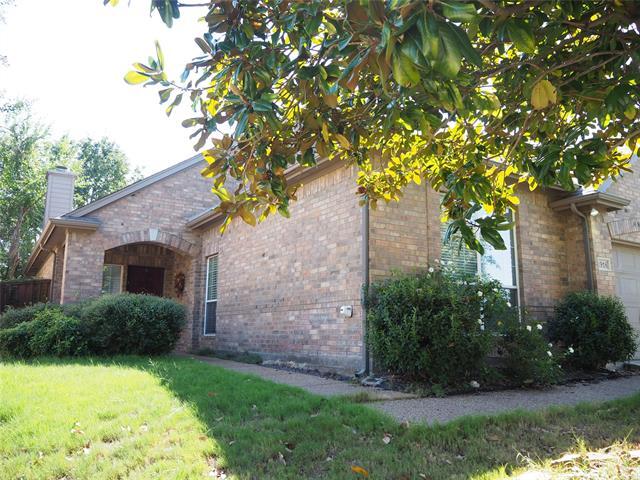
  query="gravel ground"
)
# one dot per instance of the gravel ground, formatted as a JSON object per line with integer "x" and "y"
{"x": 439, "y": 410}
{"x": 405, "y": 407}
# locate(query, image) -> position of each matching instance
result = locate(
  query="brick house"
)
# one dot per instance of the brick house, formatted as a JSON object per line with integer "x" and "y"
{"x": 291, "y": 288}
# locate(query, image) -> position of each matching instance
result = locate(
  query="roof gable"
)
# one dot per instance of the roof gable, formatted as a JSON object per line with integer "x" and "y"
{"x": 134, "y": 187}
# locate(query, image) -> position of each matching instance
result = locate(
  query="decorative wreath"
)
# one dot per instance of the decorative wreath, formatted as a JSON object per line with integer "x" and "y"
{"x": 178, "y": 284}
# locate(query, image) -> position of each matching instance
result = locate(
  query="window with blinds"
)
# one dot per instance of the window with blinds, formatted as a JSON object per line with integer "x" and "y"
{"x": 111, "y": 279}
{"x": 211, "y": 296}
{"x": 496, "y": 264}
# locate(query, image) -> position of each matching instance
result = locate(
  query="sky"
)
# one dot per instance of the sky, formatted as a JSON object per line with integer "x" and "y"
{"x": 69, "y": 58}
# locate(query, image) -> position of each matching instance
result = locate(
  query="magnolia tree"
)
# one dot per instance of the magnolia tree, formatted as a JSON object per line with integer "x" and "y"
{"x": 473, "y": 97}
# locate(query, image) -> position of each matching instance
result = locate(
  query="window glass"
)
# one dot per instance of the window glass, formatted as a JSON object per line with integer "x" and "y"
{"x": 211, "y": 296}
{"x": 111, "y": 279}
{"x": 498, "y": 265}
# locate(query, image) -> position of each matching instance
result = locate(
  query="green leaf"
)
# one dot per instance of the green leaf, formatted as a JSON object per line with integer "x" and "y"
{"x": 134, "y": 78}
{"x": 159, "y": 55}
{"x": 404, "y": 70}
{"x": 459, "y": 12}
{"x": 165, "y": 94}
{"x": 521, "y": 35}
{"x": 451, "y": 60}
{"x": 241, "y": 126}
{"x": 428, "y": 28}
{"x": 464, "y": 45}
{"x": 262, "y": 106}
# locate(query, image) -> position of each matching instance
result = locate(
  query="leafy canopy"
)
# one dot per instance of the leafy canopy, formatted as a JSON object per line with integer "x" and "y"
{"x": 474, "y": 97}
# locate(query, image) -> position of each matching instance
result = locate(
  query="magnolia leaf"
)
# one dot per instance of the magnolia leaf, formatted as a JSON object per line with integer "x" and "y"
{"x": 247, "y": 216}
{"x": 459, "y": 12}
{"x": 330, "y": 100}
{"x": 543, "y": 93}
{"x": 359, "y": 470}
{"x": 521, "y": 35}
{"x": 134, "y": 78}
{"x": 451, "y": 60}
{"x": 342, "y": 140}
{"x": 160, "y": 55}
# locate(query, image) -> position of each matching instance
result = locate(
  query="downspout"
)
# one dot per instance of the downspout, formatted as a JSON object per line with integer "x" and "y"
{"x": 365, "y": 284}
{"x": 587, "y": 245}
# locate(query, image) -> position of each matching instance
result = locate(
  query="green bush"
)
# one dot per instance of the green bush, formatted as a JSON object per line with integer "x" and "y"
{"x": 132, "y": 324}
{"x": 594, "y": 328}
{"x": 118, "y": 324}
{"x": 528, "y": 357}
{"x": 434, "y": 326}
{"x": 15, "y": 316}
{"x": 15, "y": 341}
{"x": 54, "y": 333}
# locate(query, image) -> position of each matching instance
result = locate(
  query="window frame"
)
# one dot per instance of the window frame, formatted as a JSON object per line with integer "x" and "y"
{"x": 121, "y": 267}
{"x": 206, "y": 296}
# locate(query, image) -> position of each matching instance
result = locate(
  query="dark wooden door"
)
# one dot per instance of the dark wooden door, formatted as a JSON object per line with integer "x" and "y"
{"x": 145, "y": 280}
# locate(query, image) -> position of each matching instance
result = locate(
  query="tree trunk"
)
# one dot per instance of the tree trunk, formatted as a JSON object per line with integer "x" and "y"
{"x": 14, "y": 245}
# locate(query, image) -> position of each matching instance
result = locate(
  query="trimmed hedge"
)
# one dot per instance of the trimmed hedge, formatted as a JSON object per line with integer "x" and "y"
{"x": 433, "y": 326}
{"x": 15, "y": 316}
{"x": 595, "y": 328}
{"x": 441, "y": 327}
{"x": 128, "y": 323}
{"x": 109, "y": 325}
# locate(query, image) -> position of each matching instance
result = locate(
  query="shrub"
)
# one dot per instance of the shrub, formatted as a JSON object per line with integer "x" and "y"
{"x": 14, "y": 341}
{"x": 596, "y": 329}
{"x": 132, "y": 324}
{"x": 432, "y": 326}
{"x": 15, "y": 316}
{"x": 528, "y": 357}
{"x": 118, "y": 324}
{"x": 54, "y": 333}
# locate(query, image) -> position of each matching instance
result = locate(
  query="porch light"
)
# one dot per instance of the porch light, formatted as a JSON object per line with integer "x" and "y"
{"x": 594, "y": 212}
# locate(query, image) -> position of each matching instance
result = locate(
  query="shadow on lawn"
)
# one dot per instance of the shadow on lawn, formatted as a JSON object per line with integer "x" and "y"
{"x": 265, "y": 430}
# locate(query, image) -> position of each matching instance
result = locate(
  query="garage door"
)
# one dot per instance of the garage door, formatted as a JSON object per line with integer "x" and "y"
{"x": 626, "y": 264}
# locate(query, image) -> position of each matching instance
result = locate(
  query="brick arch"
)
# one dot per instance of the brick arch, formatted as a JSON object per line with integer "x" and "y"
{"x": 158, "y": 237}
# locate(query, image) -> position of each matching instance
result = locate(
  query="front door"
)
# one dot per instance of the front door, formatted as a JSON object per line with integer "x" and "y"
{"x": 626, "y": 264}
{"x": 148, "y": 280}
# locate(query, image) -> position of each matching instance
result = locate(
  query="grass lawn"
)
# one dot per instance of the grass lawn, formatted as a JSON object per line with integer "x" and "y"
{"x": 177, "y": 418}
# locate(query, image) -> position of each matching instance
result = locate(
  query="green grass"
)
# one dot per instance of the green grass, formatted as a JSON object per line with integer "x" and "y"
{"x": 178, "y": 418}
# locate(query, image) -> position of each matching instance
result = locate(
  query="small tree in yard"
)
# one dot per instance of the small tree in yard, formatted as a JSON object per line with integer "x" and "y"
{"x": 474, "y": 97}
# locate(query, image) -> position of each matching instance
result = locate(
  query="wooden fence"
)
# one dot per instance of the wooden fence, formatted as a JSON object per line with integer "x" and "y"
{"x": 18, "y": 293}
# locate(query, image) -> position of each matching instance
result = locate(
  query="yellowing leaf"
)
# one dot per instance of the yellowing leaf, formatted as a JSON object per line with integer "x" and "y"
{"x": 330, "y": 100}
{"x": 543, "y": 93}
{"x": 513, "y": 200}
{"x": 247, "y": 216}
{"x": 325, "y": 132}
{"x": 488, "y": 208}
{"x": 342, "y": 140}
{"x": 630, "y": 112}
{"x": 134, "y": 78}
{"x": 359, "y": 470}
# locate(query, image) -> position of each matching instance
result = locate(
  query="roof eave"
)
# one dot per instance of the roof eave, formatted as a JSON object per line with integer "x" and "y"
{"x": 295, "y": 175}
{"x": 85, "y": 224}
{"x": 606, "y": 201}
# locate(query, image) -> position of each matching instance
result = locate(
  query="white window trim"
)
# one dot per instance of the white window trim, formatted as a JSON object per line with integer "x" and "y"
{"x": 121, "y": 276}
{"x": 206, "y": 301}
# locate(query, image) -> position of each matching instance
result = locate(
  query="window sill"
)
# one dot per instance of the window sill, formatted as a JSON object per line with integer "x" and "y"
{"x": 208, "y": 334}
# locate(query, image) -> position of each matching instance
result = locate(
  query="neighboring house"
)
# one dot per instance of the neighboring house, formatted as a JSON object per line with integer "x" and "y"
{"x": 292, "y": 288}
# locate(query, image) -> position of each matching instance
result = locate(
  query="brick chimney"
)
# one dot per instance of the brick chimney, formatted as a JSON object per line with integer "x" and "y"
{"x": 59, "y": 200}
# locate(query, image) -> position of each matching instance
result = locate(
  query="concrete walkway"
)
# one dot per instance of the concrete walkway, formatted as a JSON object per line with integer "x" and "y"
{"x": 441, "y": 410}
{"x": 406, "y": 407}
{"x": 326, "y": 387}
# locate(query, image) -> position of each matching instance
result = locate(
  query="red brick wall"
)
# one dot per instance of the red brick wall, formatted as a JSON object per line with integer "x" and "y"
{"x": 280, "y": 284}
